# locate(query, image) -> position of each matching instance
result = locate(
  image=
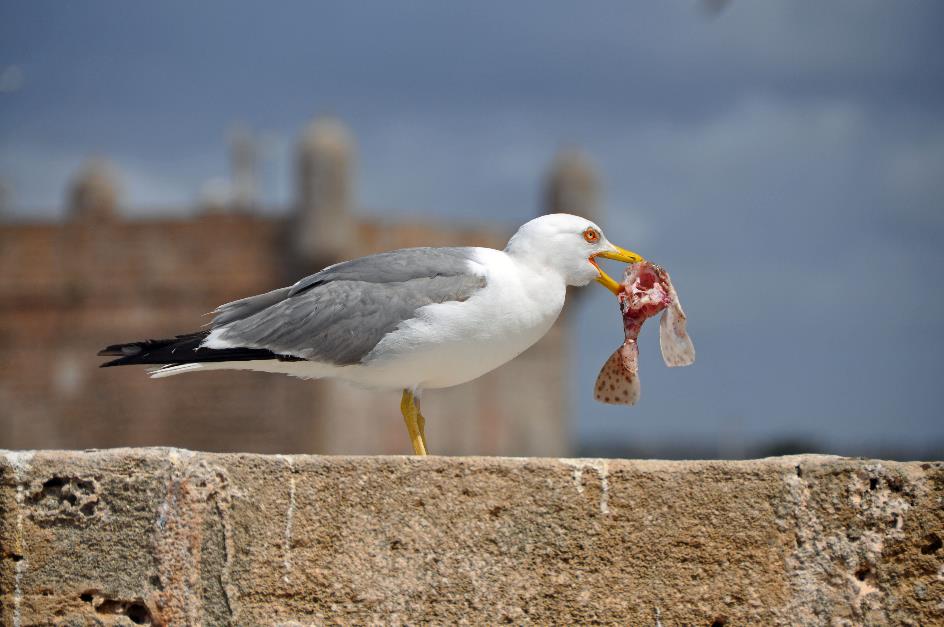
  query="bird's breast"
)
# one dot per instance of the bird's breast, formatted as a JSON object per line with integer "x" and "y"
{"x": 453, "y": 342}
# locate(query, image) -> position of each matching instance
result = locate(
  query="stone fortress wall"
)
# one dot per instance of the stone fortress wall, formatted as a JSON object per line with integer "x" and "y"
{"x": 67, "y": 289}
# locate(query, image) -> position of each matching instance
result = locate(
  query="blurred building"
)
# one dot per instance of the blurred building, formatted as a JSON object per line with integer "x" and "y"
{"x": 67, "y": 289}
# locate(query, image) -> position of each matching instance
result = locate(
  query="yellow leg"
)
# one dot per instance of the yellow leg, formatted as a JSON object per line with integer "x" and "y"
{"x": 410, "y": 412}
{"x": 421, "y": 423}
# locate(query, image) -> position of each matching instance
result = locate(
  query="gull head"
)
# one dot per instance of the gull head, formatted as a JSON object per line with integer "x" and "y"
{"x": 568, "y": 245}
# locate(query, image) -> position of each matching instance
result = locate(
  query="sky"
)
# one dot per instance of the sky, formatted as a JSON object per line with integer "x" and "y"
{"x": 784, "y": 160}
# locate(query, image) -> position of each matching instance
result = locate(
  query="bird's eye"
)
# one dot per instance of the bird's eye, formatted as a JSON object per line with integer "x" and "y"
{"x": 591, "y": 235}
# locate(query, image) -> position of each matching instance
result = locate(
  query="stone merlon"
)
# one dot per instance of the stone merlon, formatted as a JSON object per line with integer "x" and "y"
{"x": 167, "y": 536}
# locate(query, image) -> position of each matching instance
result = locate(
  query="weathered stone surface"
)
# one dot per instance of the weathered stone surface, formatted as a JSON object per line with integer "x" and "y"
{"x": 167, "y": 536}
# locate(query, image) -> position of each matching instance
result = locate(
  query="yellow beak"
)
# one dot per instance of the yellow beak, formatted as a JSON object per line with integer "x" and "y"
{"x": 619, "y": 254}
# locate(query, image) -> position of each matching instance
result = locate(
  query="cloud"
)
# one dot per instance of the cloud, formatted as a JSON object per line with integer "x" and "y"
{"x": 11, "y": 79}
{"x": 914, "y": 178}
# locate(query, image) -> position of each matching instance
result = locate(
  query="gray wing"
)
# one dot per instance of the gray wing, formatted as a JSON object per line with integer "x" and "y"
{"x": 339, "y": 314}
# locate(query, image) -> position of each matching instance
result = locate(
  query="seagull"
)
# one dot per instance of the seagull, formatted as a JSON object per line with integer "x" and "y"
{"x": 412, "y": 319}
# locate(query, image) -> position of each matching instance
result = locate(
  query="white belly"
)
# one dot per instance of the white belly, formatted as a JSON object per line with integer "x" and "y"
{"x": 451, "y": 343}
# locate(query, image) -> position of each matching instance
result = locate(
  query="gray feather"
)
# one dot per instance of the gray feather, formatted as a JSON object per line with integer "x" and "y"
{"x": 239, "y": 309}
{"x": 339, "y": 314}
{"x": 393, "y": 267}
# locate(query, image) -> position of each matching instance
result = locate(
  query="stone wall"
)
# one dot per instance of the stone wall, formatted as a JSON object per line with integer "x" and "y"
{"x": 67, "y": 290}
{"x": 100, "y": 277}
{"x": 166, "y": 536}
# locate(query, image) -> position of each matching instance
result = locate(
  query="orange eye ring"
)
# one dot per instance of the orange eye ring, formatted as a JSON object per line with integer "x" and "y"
{"x": 591, "y": 235}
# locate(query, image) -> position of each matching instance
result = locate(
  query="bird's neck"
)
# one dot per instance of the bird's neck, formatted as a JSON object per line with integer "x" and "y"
{"x": 534, "y": 261}
{"x": 540, "y": 281}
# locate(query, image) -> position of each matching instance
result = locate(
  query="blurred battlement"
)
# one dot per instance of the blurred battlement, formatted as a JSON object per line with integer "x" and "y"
{"x": 68, "y": 288}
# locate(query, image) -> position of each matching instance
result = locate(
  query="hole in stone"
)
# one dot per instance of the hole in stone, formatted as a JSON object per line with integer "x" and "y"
{"x": 799, "y": 471}
{"x": 136, "y": 611}
{"x": 86, "y": 597}
{"x": 88, "y": 486}
{"x": 55, "y": 482}
{"x": 873, "y": 483}
{"x": 88, "y": 508}
{"x": 719, "y": 621}
{"x": 155, "y": 581}
{"x": 934, "y": 544}
{"x": 862, "y": 573}
{"x": 139, "y": 614}
{"x": 15, "y": 557}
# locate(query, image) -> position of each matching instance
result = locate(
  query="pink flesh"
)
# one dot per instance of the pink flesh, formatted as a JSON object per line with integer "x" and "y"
{"x": 644, "y": 295}
{"x": 647, "y": 290}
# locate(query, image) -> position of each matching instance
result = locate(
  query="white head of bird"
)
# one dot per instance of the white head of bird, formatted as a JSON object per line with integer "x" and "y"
{"x": 570, "y": 245}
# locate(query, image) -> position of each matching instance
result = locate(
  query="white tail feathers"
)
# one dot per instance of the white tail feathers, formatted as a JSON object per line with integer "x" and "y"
{"x": 169, "y": 371}
{"x": 301, "y": 369}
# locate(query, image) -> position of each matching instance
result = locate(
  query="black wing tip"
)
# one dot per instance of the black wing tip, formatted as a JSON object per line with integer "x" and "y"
{"x": 129, "y": 349}
{"x": 120, "y": 350}
{"x": 125, "y": 353}
{"x": 182, "y": 349}
{"x": 135, "y": 352}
